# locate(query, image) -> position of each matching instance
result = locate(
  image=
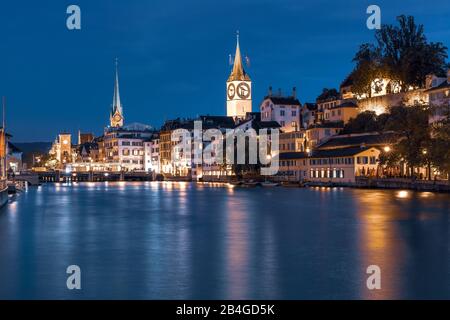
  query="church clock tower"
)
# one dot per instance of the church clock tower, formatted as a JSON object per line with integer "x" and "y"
{"x": 239, "y": 88}
{"x": 116, "y": 116}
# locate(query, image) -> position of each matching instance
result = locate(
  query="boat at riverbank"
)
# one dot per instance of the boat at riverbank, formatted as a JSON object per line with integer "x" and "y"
{"x": 268, "y": 184}
{"x": 250, "y": 184}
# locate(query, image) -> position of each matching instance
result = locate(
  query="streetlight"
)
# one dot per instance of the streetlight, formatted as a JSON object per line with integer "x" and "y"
{"x": 387, "y": 149}
{"x": 424, "y": 152}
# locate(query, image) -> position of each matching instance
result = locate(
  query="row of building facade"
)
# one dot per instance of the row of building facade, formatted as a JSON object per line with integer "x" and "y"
{"x": 310, "y": 145}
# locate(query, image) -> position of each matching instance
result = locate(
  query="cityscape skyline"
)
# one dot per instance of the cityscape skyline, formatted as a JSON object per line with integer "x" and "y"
{"x": 203, "y": 152}
{"x": 71, "y": 82}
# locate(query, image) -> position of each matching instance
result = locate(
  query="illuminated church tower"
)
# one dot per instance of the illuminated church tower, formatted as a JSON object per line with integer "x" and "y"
{"x": 116, "y": 116}
{"x": 239, "y": 88}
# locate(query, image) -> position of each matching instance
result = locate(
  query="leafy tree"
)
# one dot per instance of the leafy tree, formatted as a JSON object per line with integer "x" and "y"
{"x": 369, "y": 66}
{"x": 411, "y": 122}
{"x": 401, "y": 53}
{"x": 440, "y": 146}
{"x": 328, "y": 94}
{"x": 366, "y": 121}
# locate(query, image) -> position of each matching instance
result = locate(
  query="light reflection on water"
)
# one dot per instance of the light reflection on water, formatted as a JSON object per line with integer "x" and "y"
{"x": 162, "y": 240}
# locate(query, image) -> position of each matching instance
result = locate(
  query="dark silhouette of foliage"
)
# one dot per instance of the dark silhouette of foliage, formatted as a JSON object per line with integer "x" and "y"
{"x": 366, "y": 121}
{"x": 328, "y": 94}
{"x": 402, "y": 54}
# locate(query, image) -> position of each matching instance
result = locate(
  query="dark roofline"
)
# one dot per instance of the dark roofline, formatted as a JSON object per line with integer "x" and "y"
{"x": 341, "y": 152}
{"x": 371, "y": 139}
{"x": 332, "y": 153}
{"x": 310, "y": 106}
{"x": 442, "y": 86}
{"x": 283, "y": 100}
{"x": 346, "y": 104}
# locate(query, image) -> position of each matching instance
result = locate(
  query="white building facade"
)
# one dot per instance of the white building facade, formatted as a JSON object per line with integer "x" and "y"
{"x": 284, "y": 110}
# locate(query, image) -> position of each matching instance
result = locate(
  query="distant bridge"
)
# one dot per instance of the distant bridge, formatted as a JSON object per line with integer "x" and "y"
{"x": 88, "y": 176}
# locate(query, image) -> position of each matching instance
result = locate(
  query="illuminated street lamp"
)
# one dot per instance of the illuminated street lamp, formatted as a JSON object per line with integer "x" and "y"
{"x": 387, "y": 149}
{"x": 428, "y": 174}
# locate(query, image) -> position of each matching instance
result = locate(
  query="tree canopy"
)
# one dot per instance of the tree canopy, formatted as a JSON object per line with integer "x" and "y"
{"x": 401, "y": 53}
{"x": 366, "y": 121}
{"x": 328, "y": 94}
{"x": 412, "y": 123}
{"x": 440, "y": 145}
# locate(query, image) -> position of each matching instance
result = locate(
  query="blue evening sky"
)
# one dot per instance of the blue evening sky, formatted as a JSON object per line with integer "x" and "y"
{"x": 173, "y": 55}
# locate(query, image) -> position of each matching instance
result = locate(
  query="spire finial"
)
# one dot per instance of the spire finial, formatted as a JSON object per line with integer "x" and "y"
{"x": 238, "y": 72}
{"x": 116, "y": 97}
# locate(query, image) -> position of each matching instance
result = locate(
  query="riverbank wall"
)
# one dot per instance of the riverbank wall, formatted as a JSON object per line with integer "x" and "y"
{"x": 364, "y": 183}
{"x": 398, "y": 183}
{"x": 360, "y": 182}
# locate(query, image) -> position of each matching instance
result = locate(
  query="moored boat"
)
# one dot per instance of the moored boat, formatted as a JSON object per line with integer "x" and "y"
{"x": 250, "y": 184}
{"x": 268, "y": 184}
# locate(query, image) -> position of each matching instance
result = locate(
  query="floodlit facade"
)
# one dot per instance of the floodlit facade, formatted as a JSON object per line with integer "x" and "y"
{"x": 338, "y": 165}
{"x": 438, "y": 90}
{"x": 124, "y": 147}
{"x": 151, "y": 152}
{"x": 283, "y": 109}
{"x": 238, "y": 88}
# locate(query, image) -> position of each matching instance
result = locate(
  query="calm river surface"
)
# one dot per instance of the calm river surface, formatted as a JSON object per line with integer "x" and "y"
{"x": 169, "y": 240}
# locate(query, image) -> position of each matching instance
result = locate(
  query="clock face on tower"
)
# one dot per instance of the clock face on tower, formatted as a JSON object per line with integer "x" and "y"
{"x": 117, "y": 117}
{"x": 231, "y": 91}
{"x": 243, "y": 90}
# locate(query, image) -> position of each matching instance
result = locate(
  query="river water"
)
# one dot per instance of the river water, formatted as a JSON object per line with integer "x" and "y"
{"x": 175, "y": 240}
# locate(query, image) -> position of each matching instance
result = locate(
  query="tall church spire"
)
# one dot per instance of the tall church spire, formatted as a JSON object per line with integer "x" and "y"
{"x": 238, "y": 73}
{"x": 116, "y": 118}
{"x": 116, "y": 98}
{"x": 239, "y": 88}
